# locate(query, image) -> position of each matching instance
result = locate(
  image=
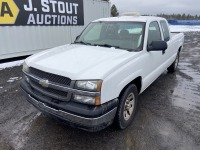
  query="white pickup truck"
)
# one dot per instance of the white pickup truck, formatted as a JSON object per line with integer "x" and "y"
{"x": 96, "y": 80}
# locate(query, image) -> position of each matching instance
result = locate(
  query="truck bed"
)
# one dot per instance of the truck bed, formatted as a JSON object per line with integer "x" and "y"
{"x": 177, "y": 36}
{"x": 175, "y": 33}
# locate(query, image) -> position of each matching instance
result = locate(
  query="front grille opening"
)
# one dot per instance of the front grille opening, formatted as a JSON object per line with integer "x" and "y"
{"x": 53, "y": 93}
{"x": 51, "y": 77}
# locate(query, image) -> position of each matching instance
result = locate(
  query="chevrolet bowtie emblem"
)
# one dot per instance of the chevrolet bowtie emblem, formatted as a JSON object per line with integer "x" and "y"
{"x": 44, "y": 83}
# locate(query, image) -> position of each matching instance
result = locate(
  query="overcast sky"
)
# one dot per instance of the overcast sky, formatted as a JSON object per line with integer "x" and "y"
{"x": 158, "y": 6}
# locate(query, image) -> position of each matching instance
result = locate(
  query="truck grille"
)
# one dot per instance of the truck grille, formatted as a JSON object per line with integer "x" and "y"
{"x": 51, "y": 77}
{"x": 47, "y": 91}
{"x": 53, "y": 93}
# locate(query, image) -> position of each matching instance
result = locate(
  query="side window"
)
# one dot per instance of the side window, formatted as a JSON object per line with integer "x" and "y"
{"x": 165, "y": 30}
{"x": 154, "y": 32}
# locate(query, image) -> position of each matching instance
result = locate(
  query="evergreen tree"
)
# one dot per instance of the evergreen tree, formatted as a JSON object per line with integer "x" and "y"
{"x": 178, "y": 16}
{"x": 188, "y": 17}
{"x": 183, "y": 17}
{"x": 114, "y": 11}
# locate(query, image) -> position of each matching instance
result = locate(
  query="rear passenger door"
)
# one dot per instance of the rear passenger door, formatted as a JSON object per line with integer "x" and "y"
{"x": 166, "y": 35}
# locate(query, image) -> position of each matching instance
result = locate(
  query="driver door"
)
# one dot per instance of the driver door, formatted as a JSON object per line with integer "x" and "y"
{"x": 154, "y": 58}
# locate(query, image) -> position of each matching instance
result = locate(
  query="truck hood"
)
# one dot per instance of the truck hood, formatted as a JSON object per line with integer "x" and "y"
{"x": 80, "y": 62}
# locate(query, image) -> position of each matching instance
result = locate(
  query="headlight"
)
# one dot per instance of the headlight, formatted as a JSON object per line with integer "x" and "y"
{"x": 87, "y": 100}
{"x": 25, "y": 67}
{"x": 94, "y": 86}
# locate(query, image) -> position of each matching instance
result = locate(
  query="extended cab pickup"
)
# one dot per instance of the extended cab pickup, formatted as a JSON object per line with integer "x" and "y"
{"x": 96, "y": 80}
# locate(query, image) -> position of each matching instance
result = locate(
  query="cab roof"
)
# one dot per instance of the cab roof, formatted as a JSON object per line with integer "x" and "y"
{"x": 129, "y": 18}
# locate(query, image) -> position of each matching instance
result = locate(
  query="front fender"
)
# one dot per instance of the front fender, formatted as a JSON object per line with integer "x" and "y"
{"x": 115, "y": 83}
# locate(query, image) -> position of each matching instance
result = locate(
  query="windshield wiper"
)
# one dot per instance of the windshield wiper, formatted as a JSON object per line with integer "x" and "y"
{"x": 106, "y": 45}
{"x": 82, "y": 42}
{"x": 117, "y": 47}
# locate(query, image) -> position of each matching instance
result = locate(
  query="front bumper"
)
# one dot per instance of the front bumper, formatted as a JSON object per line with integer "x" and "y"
{"x": 90, "y": 118}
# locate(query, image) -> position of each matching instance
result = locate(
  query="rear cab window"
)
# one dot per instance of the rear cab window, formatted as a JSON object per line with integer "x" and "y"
{"x": 165, "y": 30}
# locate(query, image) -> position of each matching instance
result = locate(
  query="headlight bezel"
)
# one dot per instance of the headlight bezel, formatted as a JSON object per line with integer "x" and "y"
{"x": 97, "y": 89}
{"x": 87, "y": 83}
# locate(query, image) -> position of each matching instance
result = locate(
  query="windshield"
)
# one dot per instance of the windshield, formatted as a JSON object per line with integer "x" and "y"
{"x": 122, "y": 35}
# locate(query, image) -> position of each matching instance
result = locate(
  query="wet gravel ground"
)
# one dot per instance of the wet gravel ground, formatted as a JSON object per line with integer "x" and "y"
{"x": 168, "y": 116}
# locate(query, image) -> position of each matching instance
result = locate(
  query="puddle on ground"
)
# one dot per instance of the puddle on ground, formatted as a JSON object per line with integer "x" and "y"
{"x": 17, "y": 129}
{"x": 187, "y": 94}
{"x": 20, "y": 129}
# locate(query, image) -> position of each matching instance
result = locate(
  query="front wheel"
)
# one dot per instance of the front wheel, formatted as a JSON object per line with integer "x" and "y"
{"x": 127, "y": 107}
{"x": 172, "y": 68}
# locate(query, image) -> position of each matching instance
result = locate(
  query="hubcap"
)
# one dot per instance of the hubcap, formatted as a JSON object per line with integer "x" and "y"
{"x": 129, "y": 106}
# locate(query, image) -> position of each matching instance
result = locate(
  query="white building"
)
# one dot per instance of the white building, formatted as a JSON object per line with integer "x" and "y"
{"x": 23, "y": 37}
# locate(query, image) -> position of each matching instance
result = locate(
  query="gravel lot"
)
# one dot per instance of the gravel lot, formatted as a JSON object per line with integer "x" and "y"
{"x": 168, "y": 115}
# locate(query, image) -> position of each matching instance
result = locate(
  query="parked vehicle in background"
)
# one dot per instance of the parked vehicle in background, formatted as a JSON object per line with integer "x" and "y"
{"x": 96, "y": 80}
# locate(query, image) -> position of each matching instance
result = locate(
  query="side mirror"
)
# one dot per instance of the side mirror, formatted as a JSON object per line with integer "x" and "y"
{"x": 157, "y": 46}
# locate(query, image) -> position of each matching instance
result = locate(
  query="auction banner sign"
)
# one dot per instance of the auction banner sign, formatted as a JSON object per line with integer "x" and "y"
{"x": 41, "y": 12}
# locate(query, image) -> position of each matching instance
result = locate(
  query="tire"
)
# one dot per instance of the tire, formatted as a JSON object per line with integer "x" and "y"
{"x": 173, "y": 67}
{"x": 128, "y": 100}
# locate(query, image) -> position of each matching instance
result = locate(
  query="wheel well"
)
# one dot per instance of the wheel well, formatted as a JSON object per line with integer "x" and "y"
{"x": 138, "y": 83}
{"x": 179, "y": 50}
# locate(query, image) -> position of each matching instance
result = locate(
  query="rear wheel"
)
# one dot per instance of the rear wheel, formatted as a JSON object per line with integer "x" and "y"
{"x": 127, "y": 107}
{"x": 173, "y": 67}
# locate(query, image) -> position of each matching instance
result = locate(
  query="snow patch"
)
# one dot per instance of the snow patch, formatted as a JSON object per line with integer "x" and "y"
{"x": 12, "y": 79}
{"x": 184, "y": 28}
{"x": 11, "y": 64}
